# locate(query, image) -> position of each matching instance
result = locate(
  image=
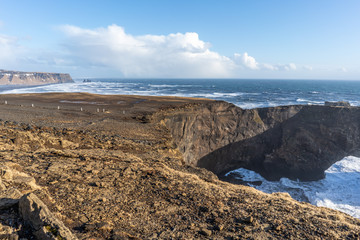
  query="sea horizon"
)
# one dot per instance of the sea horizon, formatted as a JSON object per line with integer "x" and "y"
{"x": 245, "y": 93}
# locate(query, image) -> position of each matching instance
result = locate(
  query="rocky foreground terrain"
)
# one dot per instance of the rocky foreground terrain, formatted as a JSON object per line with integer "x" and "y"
{"x": 32, "y": 78}
{"x": 82, "y": 166}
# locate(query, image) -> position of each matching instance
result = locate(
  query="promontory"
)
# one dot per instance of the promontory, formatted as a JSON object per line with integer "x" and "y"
{"x": 32, "y": 78}
{"x": 86, "y": 166}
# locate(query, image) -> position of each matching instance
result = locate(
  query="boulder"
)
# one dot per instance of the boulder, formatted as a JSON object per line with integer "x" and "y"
{"x": 43, "y": 222}
{"x": 11, "y": 175}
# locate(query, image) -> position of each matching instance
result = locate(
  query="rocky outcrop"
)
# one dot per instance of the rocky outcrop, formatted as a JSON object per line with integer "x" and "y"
{"x": 25, "y": 214}
{"x": 298, "y": 142}
{"x": 43, "y": 223}
{"x": 32, "y": 78}
{"x": 9, "y": 198}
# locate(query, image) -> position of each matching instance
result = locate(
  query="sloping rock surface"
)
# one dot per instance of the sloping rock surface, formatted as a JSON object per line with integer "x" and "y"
{"x": 44, "y": 224}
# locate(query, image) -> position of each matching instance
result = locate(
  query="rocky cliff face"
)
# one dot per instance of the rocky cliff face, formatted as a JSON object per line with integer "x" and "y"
{"x": 117, "y": 175}
{"x": 32, "y": 78}
{"x": 298, "y": 142}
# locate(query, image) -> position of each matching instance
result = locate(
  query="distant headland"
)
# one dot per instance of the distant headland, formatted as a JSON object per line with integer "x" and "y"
{"x": 32, "y": 78}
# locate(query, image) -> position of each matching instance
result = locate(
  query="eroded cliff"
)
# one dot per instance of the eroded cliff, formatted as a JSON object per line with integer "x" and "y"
{"x": 32, "y": 78}
{"x": 298, "y": 142}
{"x": 115, "y": 174}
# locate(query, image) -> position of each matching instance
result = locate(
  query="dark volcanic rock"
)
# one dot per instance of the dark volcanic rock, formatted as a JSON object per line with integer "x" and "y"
{"x": 298, "y": 142}
{"x": 338, "y": 104}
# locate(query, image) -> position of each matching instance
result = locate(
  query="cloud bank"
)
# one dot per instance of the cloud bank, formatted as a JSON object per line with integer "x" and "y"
{"x": 173, "y": 55}
{"x": 10, "y": 50}
{"x": 111, "y": 52}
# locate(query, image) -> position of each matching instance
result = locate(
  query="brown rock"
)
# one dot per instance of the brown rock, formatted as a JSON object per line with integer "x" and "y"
{"x": 205, "y": 232}
{"x": 83, "y": 219}
{"x": 14, "y": 176}
{"x": 247, "y": 229}
{"x": 218, "y": 227}
{"x": 249, "y": 219}
{"x": 9, "y": 198}
{"x": 9, "y": 237}
{"x": 44, "y": 224}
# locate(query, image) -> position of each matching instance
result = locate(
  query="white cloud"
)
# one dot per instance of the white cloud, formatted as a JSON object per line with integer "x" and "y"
{"x": 111, "y": 51}
{"x": 249, "y": 62}
{"x": 16, "y": 56}
{"x": 10, "y": 50}
{"x": 173, "y": 55}
{"x": 246, "y": 60}
{"x": 343, "y": 69}
{"x": 309, "y": 68}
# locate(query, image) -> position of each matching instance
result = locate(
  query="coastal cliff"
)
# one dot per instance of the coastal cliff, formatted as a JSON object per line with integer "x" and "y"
{"x": 87, "y": 166}
{"x": 32, "y": 78}
{"x": 297, "y": 142}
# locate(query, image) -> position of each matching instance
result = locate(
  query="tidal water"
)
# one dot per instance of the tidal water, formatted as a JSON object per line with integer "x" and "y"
{"x": 243, "y": 93}
{"x": 339, "y": 190}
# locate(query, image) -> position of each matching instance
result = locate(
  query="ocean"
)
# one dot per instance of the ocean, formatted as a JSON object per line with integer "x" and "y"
{"x": 340, "y": 188}
{"x": 241, "y": 92}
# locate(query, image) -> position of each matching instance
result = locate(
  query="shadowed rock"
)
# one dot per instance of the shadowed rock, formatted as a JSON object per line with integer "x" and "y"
{"x": 298, "y": 142}
{"x": 337, "y": 104}
{"x": 9, "y": 198}
{"x": 44, "y": 224}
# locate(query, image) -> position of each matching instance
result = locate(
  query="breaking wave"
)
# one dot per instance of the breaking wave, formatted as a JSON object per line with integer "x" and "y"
{"x": 338, "y": 190}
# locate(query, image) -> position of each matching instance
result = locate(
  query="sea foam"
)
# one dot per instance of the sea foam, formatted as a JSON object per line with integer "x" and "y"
{"x": 338, "y": 190}
{"x": 243, "y": 93}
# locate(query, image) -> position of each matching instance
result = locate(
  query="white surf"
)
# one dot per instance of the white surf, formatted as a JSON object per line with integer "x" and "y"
{"x": 340, "y": 189}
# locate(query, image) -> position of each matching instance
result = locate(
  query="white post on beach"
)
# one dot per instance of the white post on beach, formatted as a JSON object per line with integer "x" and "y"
{"x": 103, "y": 110}
{"x": 98, "y": 110}
{"x": 81, "y": 109}
{"x": 32, "y": 105}
{"x": 58, "y": 107}
{"x": 5, "y": 102}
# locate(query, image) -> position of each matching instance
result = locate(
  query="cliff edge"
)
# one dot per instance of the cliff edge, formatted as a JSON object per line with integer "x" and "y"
{"x": 32, "y": 78}
{"x": 297, "y": 142}
{"x": 104, "y": 167}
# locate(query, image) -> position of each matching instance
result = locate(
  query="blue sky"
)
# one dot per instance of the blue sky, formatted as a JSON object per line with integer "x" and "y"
{"x": 200, "y": 38}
